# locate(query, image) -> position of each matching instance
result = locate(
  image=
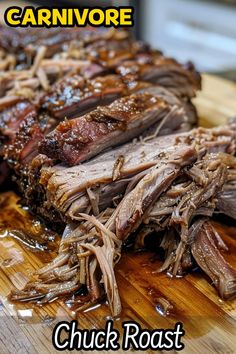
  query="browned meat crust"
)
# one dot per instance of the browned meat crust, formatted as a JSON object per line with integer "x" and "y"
{"x": 79, "y": 139}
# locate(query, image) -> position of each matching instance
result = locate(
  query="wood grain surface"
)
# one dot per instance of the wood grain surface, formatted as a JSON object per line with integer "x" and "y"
{"x": 208, "y": 321}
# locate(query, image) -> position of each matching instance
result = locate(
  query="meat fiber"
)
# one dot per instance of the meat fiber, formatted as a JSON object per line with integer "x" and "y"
{"x": 137, "y": 203}
{"x": 226, "y": 201}
{"x": 215, "y": 176}
{"x": 206, "y": 253}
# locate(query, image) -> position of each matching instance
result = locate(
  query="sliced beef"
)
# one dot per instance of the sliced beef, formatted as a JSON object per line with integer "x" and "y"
{"x": 12, "y": 117}
{"x": 75, "y": 95}
{"x": 54, "y": 39}
{"x": 24, "y": 147}
{"x": 137, "y": 60}
{"x": 184, "y": 81}
{"x": 111, "y": 53}
{"x": 81, "y": 138}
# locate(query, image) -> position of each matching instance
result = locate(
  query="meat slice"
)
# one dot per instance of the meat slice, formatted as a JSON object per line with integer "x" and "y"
{"x": 182, "y": 80}
{"x": 79, "y": 139}
{"x": 139, "y": 60}
{"x": 11, "y": 118}
{"x": 24, "y": 146}
{"x": 75, "y": 95}
{"x": 112, "y": 52}
{"x": 207, "y": 255}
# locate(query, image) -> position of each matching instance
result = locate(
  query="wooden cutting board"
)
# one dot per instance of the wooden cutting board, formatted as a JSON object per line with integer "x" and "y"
{"x": 209, "y": 322}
